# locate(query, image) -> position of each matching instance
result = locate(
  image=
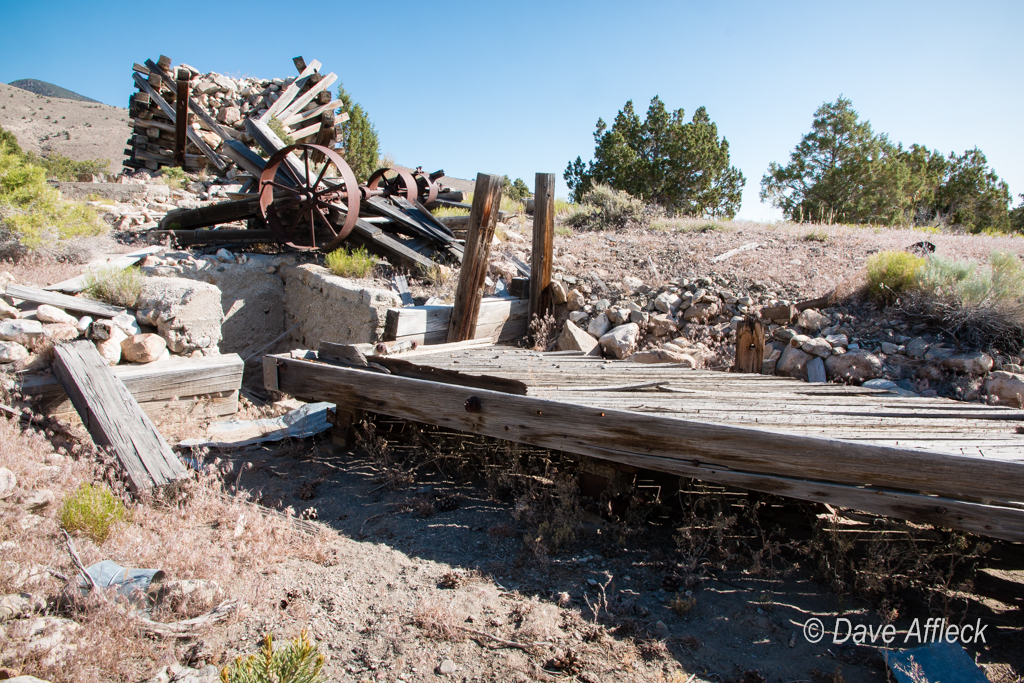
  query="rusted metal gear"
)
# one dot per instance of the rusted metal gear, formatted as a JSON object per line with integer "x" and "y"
{"x": 393, "y": 181}
{"x": 305, "y": 214}
{"x": 426, "y": 186}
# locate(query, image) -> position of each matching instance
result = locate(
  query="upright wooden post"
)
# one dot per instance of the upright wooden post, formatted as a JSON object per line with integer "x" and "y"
{"x": 543, "y": 241}
{"x": 749, "y": 346}
{"x": 483, "y": 218}
{"x": 181, "y": 117}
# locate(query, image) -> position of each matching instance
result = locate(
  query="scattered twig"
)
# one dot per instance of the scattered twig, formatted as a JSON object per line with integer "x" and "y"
{"x": 188, "y": 627}
{"x": 370, "y": 519}
{"x": 733, "y": 252}
{"x": 502, "y": 641}
{"x": 78, "y": 562}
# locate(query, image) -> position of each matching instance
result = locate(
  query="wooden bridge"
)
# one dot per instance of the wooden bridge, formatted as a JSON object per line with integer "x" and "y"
{"x": 927, "y": 460}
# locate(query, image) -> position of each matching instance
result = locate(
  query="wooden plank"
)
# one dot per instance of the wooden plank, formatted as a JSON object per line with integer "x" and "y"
{"x": 162, "y": 381}
{"x": 192, "y": 135}
{"x": 181, "y": 117}
{"x": 305, "y": 98}
{"x": 120, "y": 262}
{"x": 543, "y": 242}
{"x": 315, "y": 113}
{"x": 377, "y": 241}
{"x": 470, "y": 290}
{"x": 70, "y": 303}
{"x": 114, "y": 418}
{"x": 501, "y": 319}
{"x": 749, "y": 346}
{"x": 291, "y": 91}
{"x": 577, "y": 428}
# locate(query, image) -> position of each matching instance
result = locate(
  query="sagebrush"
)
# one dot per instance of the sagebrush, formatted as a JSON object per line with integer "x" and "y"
{"x": 605, "y": 208}
{"x": 92, "y": 511}
{"x": 356, "y": 263}
{"x": 114, "y": 285}
{"x": 890, "y": 273}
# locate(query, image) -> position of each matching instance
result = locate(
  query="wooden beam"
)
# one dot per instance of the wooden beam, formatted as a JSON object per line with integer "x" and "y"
{"x": 315, "y": 113}
{"x": 192, "y": 135}
{"x": 483, "y": 218}
{"x": 181, "y": 117}
{"x": 903, "y": 481}
{"x": 291, "y": 91}
{"x": 114, "y": 418}
{"x": 304, "y": 99}
{"x": 543, "y": 241}
{"x": 749, "y": 346}
{"x": 70, "y": 303}
{"x": 498, "y": 319}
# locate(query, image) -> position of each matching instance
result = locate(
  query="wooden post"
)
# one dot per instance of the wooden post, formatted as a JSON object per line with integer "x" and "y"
{"x": 749, "y": 346}
{"x": 181, "y": 117}
{"x": 483, "y": 218}
{"x": 543, "y": 240}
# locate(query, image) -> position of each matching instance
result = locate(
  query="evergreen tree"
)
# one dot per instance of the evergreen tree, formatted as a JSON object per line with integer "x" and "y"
{"x": 360, "y": 146}
{"x": 682, "y": 166}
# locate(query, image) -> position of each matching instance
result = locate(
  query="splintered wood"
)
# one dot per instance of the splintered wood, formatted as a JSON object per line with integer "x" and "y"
{"x": 114, "y": 418}
{"x": 932, "y": 461}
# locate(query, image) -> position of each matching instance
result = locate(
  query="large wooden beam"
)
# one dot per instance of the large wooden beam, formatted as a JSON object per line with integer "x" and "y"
{"x": 181, "y": 117}
{"x": 543, "y": 242}
{"x": 483, "y": 218}
{"x": 114, "y": 418}
{"x": 930, "y": 487}
{"x": 70, "y": 303}
{"x": 498, "y": 319}
{"x": 192, "y": 135}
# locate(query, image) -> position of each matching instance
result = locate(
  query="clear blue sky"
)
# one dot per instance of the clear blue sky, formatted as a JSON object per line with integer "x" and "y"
{"x": 517, "y": 87}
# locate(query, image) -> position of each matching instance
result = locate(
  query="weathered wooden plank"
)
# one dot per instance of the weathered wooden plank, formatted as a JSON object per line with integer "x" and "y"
{"x": 181, "y": 120}
{"x": 482, "y": 222}
{"x": 192, "y": 135}
{"x": 71, "y": 303}
{"x": 303, "y": 116}
{"x": 572, "y": 427}
{"x": 163, "y": 381}
{"x": 114, "y": 418}
{"x": 543, "y": 241}
{"x": 291, "y": 91}
{"x": 503, "y": 318}
{"x": 120, "y": 262}
{"x": 749, "y": 346}
{"x": 306, "y": 97}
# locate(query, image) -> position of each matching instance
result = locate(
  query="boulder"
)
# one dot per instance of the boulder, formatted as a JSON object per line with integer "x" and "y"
{"x": 599, "y": 326}
{"x": 12, "y": 351}
{"x": 127, "y": 324}
{"x": 558, "y": 293}
{"x": 631, "y": 284}
{"x": 21, "y": 331}
{"x": 793, "y": 363}
{"x": 143, "y": 348}
{"x": 840, "y": 340}
{"x": 812, "y": 320}
{"x": 667, "y": 302}
{"x": 229, "y": 115}
{"x": 51, "y": 314}
{"x": 579, "y": 317}
{"x": 8, "y": 312}
{"x": 573, "y": 338}
{"x": 783, "y": 334}
{"x": 621, "y": 341}
{"x": 639, "y": 317}
{"x": 662, "y": 325}
{"x": 817, "y": 347}
{"x": 855, "y": 367}
{"x": 701, "y": 312}
{"x": 110, "y": 348}
{"x": 664, "y": 355}
{"x": 575, "y": 300}
{"x": 917, "y": 347}
{"x": 83, "y": 324}
{"x": 618, "y": 316}
{"x": 187, "y": 313}
{"x": 890, "y": 349}
{"x": 1005, "y": 388}
{"x": 58, "y": 332}
{"x": 974, "y": 363}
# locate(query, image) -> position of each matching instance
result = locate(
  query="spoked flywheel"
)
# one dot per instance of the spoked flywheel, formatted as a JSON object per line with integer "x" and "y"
{"x": 309, "y": 205}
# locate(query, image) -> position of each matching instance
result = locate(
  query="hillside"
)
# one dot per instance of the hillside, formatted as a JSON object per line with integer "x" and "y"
{"x": 49, "y": 90}
{"x": 79, "y": 130}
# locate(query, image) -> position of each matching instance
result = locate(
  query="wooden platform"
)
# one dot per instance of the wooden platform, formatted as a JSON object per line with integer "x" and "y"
{"x": 957, "y": 465}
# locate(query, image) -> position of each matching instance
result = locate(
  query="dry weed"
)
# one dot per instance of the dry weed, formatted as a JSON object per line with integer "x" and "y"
{"x": 438, "y": 620}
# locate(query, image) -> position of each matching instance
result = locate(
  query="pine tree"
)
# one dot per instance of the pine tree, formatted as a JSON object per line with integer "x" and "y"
{"x": 360, "y": 146}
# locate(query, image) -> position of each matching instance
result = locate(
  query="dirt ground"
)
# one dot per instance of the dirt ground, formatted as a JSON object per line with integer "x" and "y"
{"x": 78, "y": 130}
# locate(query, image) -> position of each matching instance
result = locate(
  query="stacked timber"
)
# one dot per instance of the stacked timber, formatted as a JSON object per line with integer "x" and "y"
{"x": 215, "y": 109}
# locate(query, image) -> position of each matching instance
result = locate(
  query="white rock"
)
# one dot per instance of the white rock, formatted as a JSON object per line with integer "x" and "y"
{"x": 573, "y": 338}
{"x": 668, "y": 302}
{"x": 888, "y": 385}
{"x": 662, "y": 325}
{"x": 618, "y": 316}
{"x": 856, "y": 366}
{"x": 51, "y": 314}
{"x": 8, "y": 312}
{"x": 664, "y": 355}
{"x": 974, "y": 363}
{"x": 621, "y": 341}
{"x": 817, "y": 347}
{"x": 631, "y": 284}
{"x": 8, "y": 482}
{"x": 143, "y": 348}
{"x": 110, "y": 348}
{"x": 837, "y": 340}
{"x": 83, "y": 324}
{"x": 1006, "y": 387}
{"x": 599, "y": 326}
{"x": 793, "y": 363}
{"x": 701, "y": 312}
{"x": 579, "y": 317}
{"x": 575, "y": 300}
{"x": 127, "y": 324}
{"x": 12, "y": 351}
{"x": 812, "y": 320}
{"x": 58, "y": 332}
{"x": 558, "y": 293}
{"x": 21, "y": 331}
{"x": 225, "y": 256}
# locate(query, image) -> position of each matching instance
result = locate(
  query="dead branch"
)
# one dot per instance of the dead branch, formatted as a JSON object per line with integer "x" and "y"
{"x": 78, "y": 563}
{"x": 189, "y": 627}
{"x": 501, "y": 641}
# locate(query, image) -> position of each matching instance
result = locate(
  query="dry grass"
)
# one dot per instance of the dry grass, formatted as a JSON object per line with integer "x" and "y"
{"x": 356, "y": 263}
{"x": 194, "y": 531}
{"x": 115, "y": 286}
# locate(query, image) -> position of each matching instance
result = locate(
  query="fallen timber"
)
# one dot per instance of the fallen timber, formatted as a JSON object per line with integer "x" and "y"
{"x": 930, "y": 461}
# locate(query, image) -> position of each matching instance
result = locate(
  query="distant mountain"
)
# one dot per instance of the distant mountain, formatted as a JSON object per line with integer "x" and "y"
{"x": 49, "y": 90}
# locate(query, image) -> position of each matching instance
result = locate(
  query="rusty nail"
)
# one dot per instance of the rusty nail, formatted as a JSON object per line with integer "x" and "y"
{"x": 473, "y": 404}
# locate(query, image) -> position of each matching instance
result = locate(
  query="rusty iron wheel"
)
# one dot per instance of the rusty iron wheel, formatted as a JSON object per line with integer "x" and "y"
{"x": 401, "y": 183}
{"x": 427, "y": 188}
{"x": 305, "y": 213}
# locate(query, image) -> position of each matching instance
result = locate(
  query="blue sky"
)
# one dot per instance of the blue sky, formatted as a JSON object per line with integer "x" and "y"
{"x": 516, "y": 88}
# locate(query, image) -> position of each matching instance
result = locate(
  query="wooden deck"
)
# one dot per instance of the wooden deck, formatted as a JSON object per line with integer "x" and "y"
{"x": 958, "y": 465}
